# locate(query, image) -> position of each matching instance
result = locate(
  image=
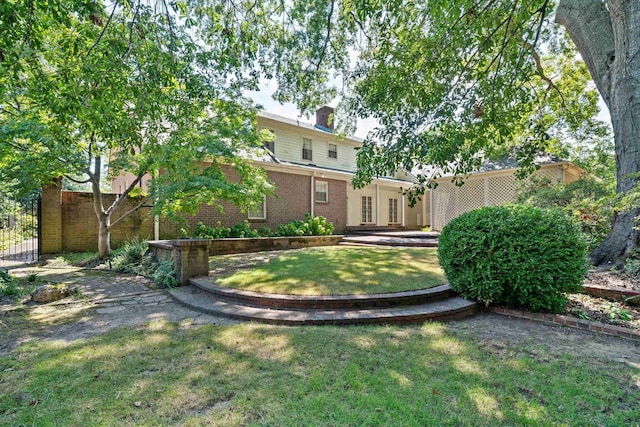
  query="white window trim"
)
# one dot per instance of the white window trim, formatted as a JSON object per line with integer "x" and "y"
{"x": 310, "y": 149}
{"x": 329, "y": 144}
{"x": 393, "y": 209}
{"x": 326, "y": 186}
{"x": 366, "y": 219}
{"x": 264, "y": 210}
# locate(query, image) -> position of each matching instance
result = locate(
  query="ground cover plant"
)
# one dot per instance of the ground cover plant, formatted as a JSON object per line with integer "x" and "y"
{"x": 311, "y": 226}
{"x": 331, "y": 270}
{"x": 134, "y": 257}
{"x": 16, "y": 287}
{"x": 514, "y": 256}
{"x": 248, "y": 374}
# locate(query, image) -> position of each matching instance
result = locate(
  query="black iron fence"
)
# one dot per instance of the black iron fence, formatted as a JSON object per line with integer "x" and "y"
{"x": 19, "y": 228}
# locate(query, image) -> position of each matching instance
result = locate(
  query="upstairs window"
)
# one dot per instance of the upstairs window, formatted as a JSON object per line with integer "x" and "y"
{"x": 333, "y": 151}
{"x": 322, "y": 191}
{"x": 307, "y": 152}
{"x": 270, "y": 145}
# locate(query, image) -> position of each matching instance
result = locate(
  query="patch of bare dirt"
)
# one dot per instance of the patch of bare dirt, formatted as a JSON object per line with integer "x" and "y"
{"x": 612, "y": 279}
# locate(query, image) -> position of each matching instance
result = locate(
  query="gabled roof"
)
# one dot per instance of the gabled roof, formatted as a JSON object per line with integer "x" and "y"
{"x": 307, "y": 126}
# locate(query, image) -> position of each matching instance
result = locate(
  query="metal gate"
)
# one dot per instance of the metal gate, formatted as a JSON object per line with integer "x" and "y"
{"x": 19, "y": 228}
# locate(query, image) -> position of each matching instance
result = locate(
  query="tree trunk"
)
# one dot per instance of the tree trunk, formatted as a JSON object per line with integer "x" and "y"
{"x": 608, "y": 38}
{"x": 104, "y": 238}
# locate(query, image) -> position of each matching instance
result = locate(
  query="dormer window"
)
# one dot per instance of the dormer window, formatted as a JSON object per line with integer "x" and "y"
{"x": 270, "y": 145}
{"x": 307, "y": 152}
{"x": 333, "y": 151}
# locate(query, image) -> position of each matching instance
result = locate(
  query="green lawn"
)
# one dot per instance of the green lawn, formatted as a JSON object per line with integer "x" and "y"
{"x": 259, "y": 375}
{"x": 335, "y": 270}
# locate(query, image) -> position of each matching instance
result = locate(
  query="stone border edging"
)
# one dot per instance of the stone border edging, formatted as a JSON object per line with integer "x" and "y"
{"x": 617, "y": 294}
{"x": 570, "y": 321}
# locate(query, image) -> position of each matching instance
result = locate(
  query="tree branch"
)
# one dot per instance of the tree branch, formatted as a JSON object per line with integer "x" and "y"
{"x": 541, "y": 73}
{"x": 77, "y": 181}
{"x": 113, "y": 11}
{"x": 326, "y": 41}
{"x": 118, "y": 201}
{"x": 124, "y": 215}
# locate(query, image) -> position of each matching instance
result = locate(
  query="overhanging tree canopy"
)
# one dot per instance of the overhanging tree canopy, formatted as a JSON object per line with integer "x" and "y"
{"x": 449, "y": 80}
{"x": 81, "y": 83}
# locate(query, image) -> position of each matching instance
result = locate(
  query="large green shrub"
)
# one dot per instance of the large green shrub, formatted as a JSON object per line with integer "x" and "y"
{"x": 514, "y": 256}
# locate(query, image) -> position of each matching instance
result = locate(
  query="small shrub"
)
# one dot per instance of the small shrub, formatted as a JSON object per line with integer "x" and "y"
{"x": 165, "y": 274}
{"x": 587, "y": 200}
{"x": 265, "y": 232}
{"x": 632, "y": 266}
{"x": 318, "y": 225}
{"x": 134, "y": 258}
{"x": 514, "y": 256}
{"x": 129, "y": 257}
{"x": 293, "y": 228}
{"x": 243, "y": 230}
{"x": 8, "y": 285}
{"x": 202, "y": 231}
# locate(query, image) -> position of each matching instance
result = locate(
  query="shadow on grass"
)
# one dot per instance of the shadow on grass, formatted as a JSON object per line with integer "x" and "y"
{"x": 264, "y": 375}
{"x": 340, "y": 271}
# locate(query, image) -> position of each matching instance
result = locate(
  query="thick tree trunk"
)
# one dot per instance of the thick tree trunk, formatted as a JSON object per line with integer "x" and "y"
{"x": 608, "y": 38}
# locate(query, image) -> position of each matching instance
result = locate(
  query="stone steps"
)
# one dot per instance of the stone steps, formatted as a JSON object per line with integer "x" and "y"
{"x": 377, "y": 240}
{"x": 404, "y": 307}
{"x": 259, "y": 299}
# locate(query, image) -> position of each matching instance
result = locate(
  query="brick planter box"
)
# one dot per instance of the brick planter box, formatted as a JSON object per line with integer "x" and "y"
{"x": 237, "y": 246}
{"x": 190, "y": 256}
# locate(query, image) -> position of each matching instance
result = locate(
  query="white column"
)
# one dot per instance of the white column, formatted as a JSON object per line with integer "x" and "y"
{"x": 431, "y": 209}
{"x": 402, "y": 209}
{"x": 377, "y": 204}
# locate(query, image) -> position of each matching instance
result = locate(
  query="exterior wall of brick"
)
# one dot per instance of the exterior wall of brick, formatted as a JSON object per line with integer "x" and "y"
{"x": 335, "y": 210}
{"x": 291, "y": 201}
{"x": 70, "y": 223}
{"x": 51, "y": 219}
{"x": 80, "y": 224}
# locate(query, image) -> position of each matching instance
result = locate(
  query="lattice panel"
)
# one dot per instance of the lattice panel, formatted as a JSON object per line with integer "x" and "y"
{"x": 501, "y": 189}
{"x": 449, "y": 200}
{"x": 555, "y": 175}
{"x": 443, "y": 199}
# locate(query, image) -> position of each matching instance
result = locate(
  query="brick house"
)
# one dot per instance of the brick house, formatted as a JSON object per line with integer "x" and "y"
{"x": 312, "y": 170}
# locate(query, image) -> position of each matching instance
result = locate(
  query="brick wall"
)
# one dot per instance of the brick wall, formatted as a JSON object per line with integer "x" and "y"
{"x": 335, "y": 210}
{"x": 291, "y": 201}
{"x": 80, "y": 224}
{"x": 51, "y": 219}
{"x": 70, "y": 224}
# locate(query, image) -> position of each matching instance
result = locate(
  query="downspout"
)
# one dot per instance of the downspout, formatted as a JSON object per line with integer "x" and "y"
{"x": 312, "y": 194}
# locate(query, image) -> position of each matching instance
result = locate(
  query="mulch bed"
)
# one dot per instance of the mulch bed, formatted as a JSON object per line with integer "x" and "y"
{"x": 604, "y": 310}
